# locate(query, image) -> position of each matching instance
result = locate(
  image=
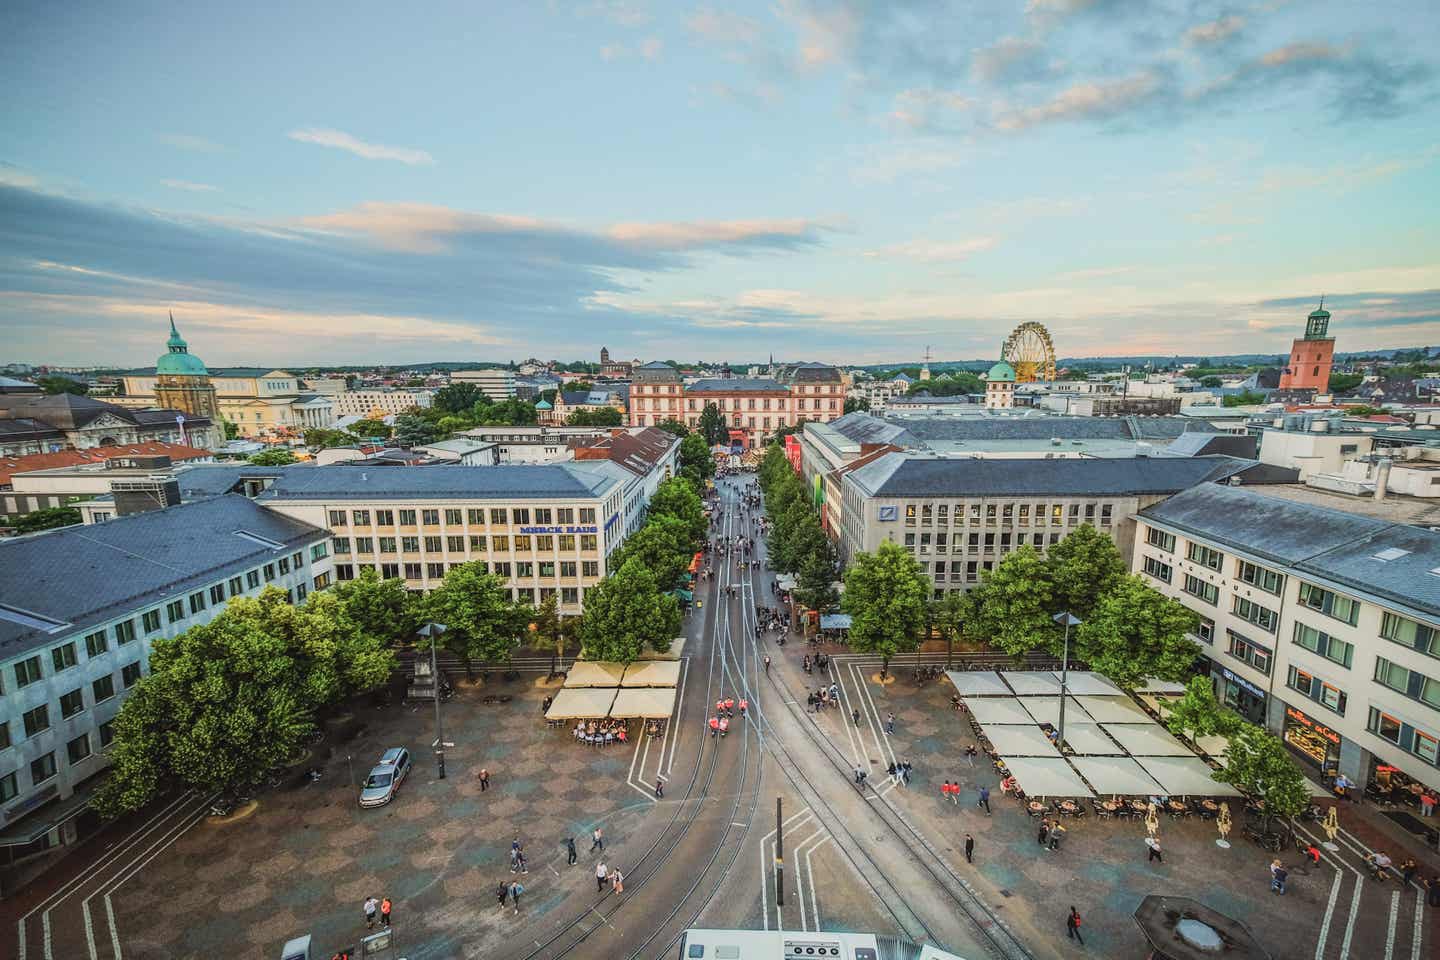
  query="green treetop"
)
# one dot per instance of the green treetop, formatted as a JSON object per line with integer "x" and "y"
{"x": 885, "y": 595}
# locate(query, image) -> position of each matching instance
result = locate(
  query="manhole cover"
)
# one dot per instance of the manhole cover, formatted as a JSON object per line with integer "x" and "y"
{"x": 1005, "y": 893}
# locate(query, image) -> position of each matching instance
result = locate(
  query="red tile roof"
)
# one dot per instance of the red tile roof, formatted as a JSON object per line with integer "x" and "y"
{"x": 75, "y": 458}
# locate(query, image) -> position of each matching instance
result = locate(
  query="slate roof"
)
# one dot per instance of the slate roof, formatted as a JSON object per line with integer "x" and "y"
{"x": 9, "y": 466}
{"x": 592, "y": 398}
{"x": 1195, "y": 443}
{"x": 1332, "y": 545}
{"x": 909, "y": 475}
{"x": 70, "y": 575}
{"x": 26, "y": 428}
{"x": 439, "y": 482}
{"x": 640, "y": 450}
{"x": 737, "y": 385}
{"x": 917, "y": 433}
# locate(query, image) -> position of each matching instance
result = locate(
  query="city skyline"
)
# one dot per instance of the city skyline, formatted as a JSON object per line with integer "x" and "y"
{"x": 825, "y": 181}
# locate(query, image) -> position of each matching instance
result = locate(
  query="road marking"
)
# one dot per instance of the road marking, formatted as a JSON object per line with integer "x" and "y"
{"x": 810, "y": 868}
{"x": 679, "y": 705}
{"x": 114, "y": 930}
{"x": 1329, "y": 914}
{"x": 1390, "y": 933}
{"x": 1419, "y": 924}
{"x": 800, "y": 875}
{"x": 1350, "y": 921}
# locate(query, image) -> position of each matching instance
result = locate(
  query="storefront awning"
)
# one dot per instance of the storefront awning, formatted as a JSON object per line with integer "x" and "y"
{"x": 1119, "y": 709}
{"x": 1019, "y": 740}
{"x": 998, "y": 710}
{"x": 1047, "y": 710}
{"x": 1147, "y": 740}
{"x": 1033, "y": 682}
{"x": 835, "y": 621}
{"x": 1186, "y": 777}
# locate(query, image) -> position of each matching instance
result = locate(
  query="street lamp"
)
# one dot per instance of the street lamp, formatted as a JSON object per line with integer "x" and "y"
{"x": 433, "y": 631}
{"x": 1068, "y": 620}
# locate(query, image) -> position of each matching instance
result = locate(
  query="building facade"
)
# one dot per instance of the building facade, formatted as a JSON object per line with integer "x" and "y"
{"x": 752, "y": 407}
{"x": 1000, "y": 387}
{"x": 266, "y": 404}
{"x": 1311, "y": 356}
{"x": 76, "y": 632}
{"x": 182, "y": 382}
{"x": 375, "y": 404}
{"x": 495, "y": 383}
{"x": 1321, "y": 624}
{"x": 48, "y": 424}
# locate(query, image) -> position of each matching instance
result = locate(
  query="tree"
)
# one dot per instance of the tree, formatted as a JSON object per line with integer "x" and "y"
{"x": 1081, "y": 568}
{"x": 47, "y": 519}
{"x": 625, "y": 613}
{"x": 857, "y": 405}
{"x": 1135, "y": 632}
{"x": 457, "y": 397}
{"x": 696, "y": 463}
{"x": 664, "y": 546}
{"x": 1258, "y": 765}
{"x": 482, "y": 621}
{"x": 1245, "y": 398}
{"x": 554, "y": 630}
{"x": 382, "y": 608}
{"x": 599, "y": 417}
{"x": 677, "y": 498}
{"x": 579, "y": 386}
{"x": 711, "y": 425}
{"x": 674, "y": 426}
{"x": 885, "y": 596}
{"x": 55, "y": 383}
{"x": 1013, "y": 605}
{"x": 274, "y": 457}
{"x": 815, "y": 573}
{"x": 320, "y": 438}
{"x": 232, "y": 430}
{"x": 371, "y": 428}
{"x": 1210, "y": 381}
{"x": 230, "y": 700}
{"x": 413, "y": 431}
{"x": 1199, "y": 713}
{"x": 949, "y": 616}
{"x": 1340, "y": 382}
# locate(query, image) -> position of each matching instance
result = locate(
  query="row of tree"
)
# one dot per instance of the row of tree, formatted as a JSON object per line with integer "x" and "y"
{"x": 796, "y": 543}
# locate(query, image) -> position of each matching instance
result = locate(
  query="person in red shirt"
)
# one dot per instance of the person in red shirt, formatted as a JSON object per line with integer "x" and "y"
{"x": 724, "y": 725}
{"x": 744, "y": 705}
{"x": 729, "y": 706}
{"x": 714, "y": 726}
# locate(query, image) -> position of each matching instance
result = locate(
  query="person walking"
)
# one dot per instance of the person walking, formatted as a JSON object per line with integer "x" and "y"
{"x": 617, "y": 882}
{"x": 970, "y": 753}
{"x": 984, "y": 800}
{"x": 890, "y": 724}
{"x": 516, "y": 888}
{"x": 601, "y": 872}
{"x": 744, "y": 707}
{"x": 1154, "y": 844}
{"x": 659, "y": 789}
{"x": 385, "y": 907}
{"x": 1072, "y": 925}
{"x": 955, "y": 793}
{"x": 767, "y": 666}
{"x": 570, "y": 856}
{"x": 855, "y": 717}
{"x": 1044, "y": 830}
{"x": 858, "y": 771}
{"x": 1057, "y": 833}
{"x": 371, "y": 905}
{"x": 502, "y": 894}
{"x": 484, "y": 777}
{"x": 969, "y": 849}
{"x": 597, "y": 840}
{"x": 945, "y": 791}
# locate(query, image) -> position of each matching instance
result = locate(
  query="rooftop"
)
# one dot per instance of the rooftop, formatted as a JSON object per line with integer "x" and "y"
{"x": 921, "y": 433}
{"x": 912, "y": 475}
{"x": 737, "y": 385}
{"x": 1393, "y": 509}
{"x": 67, "y": 576}
{"x": 440, "y": 482}
{"x": 95, "y": 457}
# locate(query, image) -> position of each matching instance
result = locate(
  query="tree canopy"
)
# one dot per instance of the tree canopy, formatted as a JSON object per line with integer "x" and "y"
{"x": 626, "y": 613}
{"x": 458, "y": 397}
{"x": 274, "y": 457}
{"x": 664, "y": 546}
{"x": 856, "y": 405}
{"x": 1082, "y": 567}
{"x": 1258, "y": 765}
{"x": 598, "y": 417}
{"x": 47, "y": 518}
{"x": 371, "y": 428}
{"x": 711, "y": 425}
{"x": 413, "y": 430}
{"x": 482, "y": 621}
{"x": 885, "y": 595}
{"x": 1135, "y": 632}
{"x": 696, "y": 463}
{"x": 58, "y": 383}
{"x": 677, "y": 498}
{"x": 324, "y": 439}
{"x": 1014, "y": 603}
{"x": 1199, "y": 713}
{"x": 674, "y": 426}
{"x": 384, "y": 608}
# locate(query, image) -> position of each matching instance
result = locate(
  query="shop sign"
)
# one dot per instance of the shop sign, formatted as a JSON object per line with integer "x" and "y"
{"x": 1319, "y": 728}
{"x": 36, "y": 799}
{"x": 888, "y": 514}
{"x": 1241, "y": 682}
{"x": 558, "y": 530}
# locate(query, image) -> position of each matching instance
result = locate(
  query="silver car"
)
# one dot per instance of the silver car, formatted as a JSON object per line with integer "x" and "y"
{"x": 385, "y": 778}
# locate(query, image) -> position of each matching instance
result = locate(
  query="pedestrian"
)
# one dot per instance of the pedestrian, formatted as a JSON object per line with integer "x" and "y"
{"x": 767, "y": 666}
{"x": 1432, "y": 891}
{"x": 857, "y": 774}
{"x": 617, "y": 882}
{"x": 502, "y": 894}
{"x": 371, "y": 905}
{"x": 1154, "y": 844}
{"x": 744, "y": 707}
{"x": 714, "y": 726}
{"x": 1072, "y": 925}
{"x": 659, "y": 789}
{"x": 484, "y": 777}
{"x": 385, "y": 913}
{"x": 969, "y": 849}
{"x": 945, "y": 791}
{"x": 516, "y": 888}
{"x": 1277, "y": 879}
{"x": 1057, "y": 833}
{"x": 1427, "y": 803}
{"x": 890, "y": 724}
{"x": 1044, "y": 830}
{"x": 597, "y": 840}
{"x": 524, "y": 864}
{"x": 600, "y": 874}
{"x": 955, "y": 793}
{"x": 570, "y": 851}
{"x": 1407, "y": 871}
{"x": 970, "y": 753}
{"x": 984, "y": 800}
{"x": 855, "y": 717}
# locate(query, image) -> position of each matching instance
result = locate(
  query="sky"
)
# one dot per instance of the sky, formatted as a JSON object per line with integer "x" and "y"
{"x": 834, "y": 180}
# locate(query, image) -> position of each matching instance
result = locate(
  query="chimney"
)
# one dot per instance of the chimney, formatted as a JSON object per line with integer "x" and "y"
{"x": 1382, "y": 477}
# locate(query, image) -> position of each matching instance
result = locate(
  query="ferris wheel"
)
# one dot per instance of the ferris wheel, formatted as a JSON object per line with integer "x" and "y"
{"x": 1029, "y": 350}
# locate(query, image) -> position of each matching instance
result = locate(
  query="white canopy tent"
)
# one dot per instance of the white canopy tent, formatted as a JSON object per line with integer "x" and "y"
{"x": 1110, "y": 775}
{"x": 1047, "y": 777}
{"x": 1214, "y": 745}
{"x": 594, "y": 673}
{"x": 977, "y": 683}
{"x": 589, "y": 703}
{"x": 1047, "y": 710}
{"x": 648, "y": 703}
{"x": 1027, "y": 683}
{"x": 652, "y": 673}
{"x": 1088, "y": 740}
{"x": 1160, "y": 703}
{"x": 1088, "y": 684}
{"x": 1186, "y": 777}
{"x": 998, "y": 710}
{"x": 1166, "y": 687}
{"x": 1019, "y": 740}
{"x": 1119, "y": 709}
{"x": 1147, "y": 740}
{"x": 676, "y": 646}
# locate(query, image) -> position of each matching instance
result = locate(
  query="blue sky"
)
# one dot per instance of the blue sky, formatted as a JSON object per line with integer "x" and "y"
{"x": 827, "y": 179}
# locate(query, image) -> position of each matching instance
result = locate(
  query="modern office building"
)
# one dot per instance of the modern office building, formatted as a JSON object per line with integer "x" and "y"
{"x": 495, "y": 383}
{"x": 80, "y": 608}
{"x": 1321, "y": 623}
{"x": 959, "y": 517}
{"x": 373, "y": 404}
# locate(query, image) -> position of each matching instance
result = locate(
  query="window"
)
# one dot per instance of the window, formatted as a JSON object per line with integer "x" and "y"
{"x": 1330, "y": 603}
{"x": 567, "y": 568}
{"x": 1258, "y": 576}
{"x": 96, "y": 644}
{"x": 410, "y": 544}
{"x": 1074, "y": 516}
{"x": 910, "y": 515}
{"x": 524, "y": 568}
{"x": 502, "y": 569}
{"x": 910, "y": 540}
{"x": 589, "y": 568}
{"x": 520, "y": 515}
{"x": 342, "y": 546}
{"x": 500, "y": 543}
{"x": 197, "y": 601}
{"x": 150, "y": 620}
{"x": 237, "y": 586}
{"x": 1106, "y": 514}
{"x": 1159, "y": 539}
{"x": 285, "y": 561}
{"x": 360, "y": 518}
{"x": 523, "y": 544}
{"x": 452, "y": 515}
{"x": 1427, "y": 748}
{"x": 588, "y": 541}
{"x": 412, "y": 571}
{"x": 4, "y": 735}
{"x": 1089, "y": 512}
{"x": 217, "y": 593}
{"x": 337, "y": 518}
{"x": 433, "y": 544}
{"x": 498, "y": 516}
{"x": 107, "y": 733}
{"x": 547, "y": 569}
{"x": 543, "y": 516}
{"x": 1325, "y": 645}
{"x": 71, "y": 703}
{"x": 1410, "y": 683}
{"x": 1408, "y": 633}
{"x": 1250, "y": 652}
{"x": 124, "y": 632}
{"x": 318, "y": 552}
{"x": 1263, "y": 617}
{"x": 569, "y": 595}
{"x": 252, "y": 579}
{"x": 407, "y": 518}
{"x": 364, "y": 544}
{"x": 42, "y": 768}
{"x": 129, "y": 674}
{"x": 344, "y": 571}
{"x": 477, "y": 543}
{"x": 1203, "y": 555}
{"x": 989, "y": 513}
{"x": 566, "y": 541}
{"x": 587, "y": 514}
{"x": 564, "y": 514}
{"x": 927, "y": 515}
{"x": 104, "y": 688}
{"x": 1326, "y": 694}
{"x": 545, "y": 542}
{"x": 1199, "y": 588}
{"x": 435, "y": 571}
{"x": 63, "y": 657}
{"x": 385, "y": 518}
{"x": 1205, "y": 630}
{"x": 36, "y": 721}
{"x": 78, "y": 749}
{"x": 8, "y": 788}
{"x": 1384, "y": 726}
{"x": 455, "y": 544}
{"x": 1160, "y": 571}
{"x": 387, "y": 544}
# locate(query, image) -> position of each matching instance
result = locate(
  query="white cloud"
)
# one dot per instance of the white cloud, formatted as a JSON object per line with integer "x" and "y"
{"x": 1214, "y": 31}
{"x": 187, "y": 141}
{"x": 1300, "y": 53}
{"x": 189, "y": 186}
{"x": 886, "y": 164}
{"x": 370, "y": 151}
{"x": 1095, "y": 99}
{"x": 11, "y": 176}
{"x": 932, "y": 251}
{"x": 921, "y": 109}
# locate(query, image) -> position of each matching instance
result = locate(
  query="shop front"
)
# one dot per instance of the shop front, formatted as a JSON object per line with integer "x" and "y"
{"x": 1313, "y": 740}
{"x": 1242, "y": 696}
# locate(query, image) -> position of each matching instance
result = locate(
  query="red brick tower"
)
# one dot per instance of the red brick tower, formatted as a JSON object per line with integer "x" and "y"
{"x": 1311, "y": 356}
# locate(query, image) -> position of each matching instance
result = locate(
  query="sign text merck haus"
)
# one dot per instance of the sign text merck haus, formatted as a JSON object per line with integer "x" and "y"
{"x": 589, "y": 529}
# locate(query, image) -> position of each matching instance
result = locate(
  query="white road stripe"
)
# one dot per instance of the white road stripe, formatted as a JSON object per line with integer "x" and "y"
{"x": 798, "y": 853}
{"x": 810, "y": 869}
{"x": 1350, "y": 920}
{"x": 1419, "y": 924}
{"x": 1390, "y": 932}
{"x": 1329, "y": 915}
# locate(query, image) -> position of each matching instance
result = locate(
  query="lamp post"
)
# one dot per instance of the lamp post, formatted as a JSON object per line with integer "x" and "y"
{"x": 433, "y": 631}
{"x": 1068, "y": 620}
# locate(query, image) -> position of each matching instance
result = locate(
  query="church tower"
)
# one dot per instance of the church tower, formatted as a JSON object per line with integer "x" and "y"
{"x": 182, "y": 382}
{"x": 1311, "y": 356}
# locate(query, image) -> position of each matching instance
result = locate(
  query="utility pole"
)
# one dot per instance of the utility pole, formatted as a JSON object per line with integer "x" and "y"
{"x": 433, "y": 631}
{"x": 1069, "y": 620}
{"x": 779, "y": 856}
